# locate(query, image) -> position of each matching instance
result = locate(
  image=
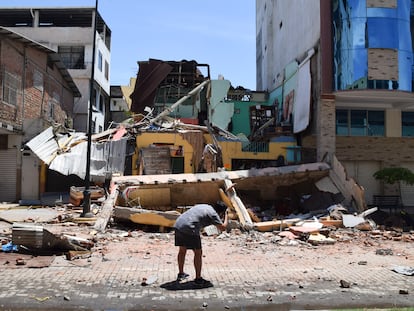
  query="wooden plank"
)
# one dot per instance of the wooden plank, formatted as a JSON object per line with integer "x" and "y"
{"x": 238, "y": 205}
{"x": 106, "y": 213}
{"x": 266, "y": 226}
{"x": 225, "y": 199}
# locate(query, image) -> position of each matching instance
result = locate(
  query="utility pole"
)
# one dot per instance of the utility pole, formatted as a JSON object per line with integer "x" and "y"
{"x": 87, "y": 192}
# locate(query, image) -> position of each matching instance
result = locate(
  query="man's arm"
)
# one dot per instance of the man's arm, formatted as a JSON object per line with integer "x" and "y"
{"x": 223, "y": 226}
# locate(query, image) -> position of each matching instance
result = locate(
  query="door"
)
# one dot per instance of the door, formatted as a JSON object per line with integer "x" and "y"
{"x": 30, "y": 175}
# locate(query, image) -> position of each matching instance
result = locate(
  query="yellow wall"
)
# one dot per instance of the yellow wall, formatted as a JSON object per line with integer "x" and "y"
{"x": 230, "y": 149}
{"x": 233, "y": 150}
{"x": 144, "y": 140}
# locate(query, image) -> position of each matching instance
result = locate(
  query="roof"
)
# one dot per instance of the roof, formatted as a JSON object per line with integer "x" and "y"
{"x": 57, "y": 16}
{"x": 54, "y": 57}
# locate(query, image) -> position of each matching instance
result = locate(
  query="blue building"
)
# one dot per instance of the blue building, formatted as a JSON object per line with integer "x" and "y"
{"x": 341, "y": 73}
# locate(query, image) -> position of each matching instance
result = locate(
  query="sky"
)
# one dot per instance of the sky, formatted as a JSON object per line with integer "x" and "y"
{"x": 220, "y": 33}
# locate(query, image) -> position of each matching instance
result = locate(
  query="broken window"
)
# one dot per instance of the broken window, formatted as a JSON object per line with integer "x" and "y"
{"x": 72, "y": 56}
{"x": 360, "y": 122}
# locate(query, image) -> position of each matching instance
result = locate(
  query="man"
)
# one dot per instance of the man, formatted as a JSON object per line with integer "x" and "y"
{"x": 187, "y": 235}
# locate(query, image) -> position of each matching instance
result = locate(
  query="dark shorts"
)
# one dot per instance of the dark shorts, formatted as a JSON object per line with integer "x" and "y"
{"x": 187, "y": 240}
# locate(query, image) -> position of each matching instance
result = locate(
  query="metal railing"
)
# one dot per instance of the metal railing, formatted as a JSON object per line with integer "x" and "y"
{"x": 255, "y": 147}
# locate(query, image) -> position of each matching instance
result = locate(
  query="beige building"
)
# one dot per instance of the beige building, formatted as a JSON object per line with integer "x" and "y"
{"x": 70, "y": 32}
{"x": 36, "y": 92}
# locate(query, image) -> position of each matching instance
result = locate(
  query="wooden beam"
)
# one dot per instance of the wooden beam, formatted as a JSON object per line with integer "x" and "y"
{"x": 238, "y": 205}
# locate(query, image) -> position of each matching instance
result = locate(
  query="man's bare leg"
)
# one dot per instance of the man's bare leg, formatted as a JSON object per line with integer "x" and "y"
{"x": 181, "y": 258}
{"x": 198, "y": 254}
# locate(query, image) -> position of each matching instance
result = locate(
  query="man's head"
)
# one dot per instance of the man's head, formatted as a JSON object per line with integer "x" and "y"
{"x": 220, "y": 208}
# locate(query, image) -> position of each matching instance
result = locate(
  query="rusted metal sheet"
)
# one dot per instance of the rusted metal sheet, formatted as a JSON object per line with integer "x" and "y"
{"x": 149, "y": 76}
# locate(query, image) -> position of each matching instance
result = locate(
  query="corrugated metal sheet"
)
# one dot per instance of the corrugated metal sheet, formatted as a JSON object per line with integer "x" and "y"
{"x": 47, "y": 145}
{"x": 107, "y": 157}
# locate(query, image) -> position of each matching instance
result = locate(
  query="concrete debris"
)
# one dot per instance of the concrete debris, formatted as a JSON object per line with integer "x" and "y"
{"x": 384, "y": 252}
{"x": 344, "y": 284}
{"x": 404, "y": 270}
{"x": 148, "y": 281}
{"x": 319, "y": 239}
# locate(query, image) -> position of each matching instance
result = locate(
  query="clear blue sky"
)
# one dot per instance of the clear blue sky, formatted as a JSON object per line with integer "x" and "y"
{"x": 220, "y": 33}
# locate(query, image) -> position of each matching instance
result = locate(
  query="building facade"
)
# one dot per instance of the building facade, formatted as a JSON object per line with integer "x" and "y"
{"x": 360, "y": 104}
{"x": 36, "y": 92}
{"x": 70, "y": 32}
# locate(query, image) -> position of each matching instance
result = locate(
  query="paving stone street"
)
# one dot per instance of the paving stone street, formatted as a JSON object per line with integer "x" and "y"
{"x": 134, "y": 270}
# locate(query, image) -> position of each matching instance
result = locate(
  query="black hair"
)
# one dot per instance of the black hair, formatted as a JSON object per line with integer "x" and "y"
{"x": 220, "y": 207}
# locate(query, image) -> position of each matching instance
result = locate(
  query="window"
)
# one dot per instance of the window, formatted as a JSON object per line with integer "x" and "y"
{"x": 11, "y": 87}
{"x": 72, "y": 56}
{"x": 93, "y": 126}
{"x": 106, "y": 70}
{"x": 360, "y": 123}
{"x": 3, "y": 142}
{"x": 50, "y": 110}
{"x": 100, "y": 61}
{"x": 101, "y": 103}
{"x": 52, "y": 103}
{"x": 372, "y": 44}
{"x": 94, "y": 98}
{"x": 407, "y": 123}
{"x": 38, "y": 80}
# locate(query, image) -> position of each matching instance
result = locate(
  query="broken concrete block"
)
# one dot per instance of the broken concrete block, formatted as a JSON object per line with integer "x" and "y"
{"x": 318, "y": 239}
{"x": 351, "y": 221}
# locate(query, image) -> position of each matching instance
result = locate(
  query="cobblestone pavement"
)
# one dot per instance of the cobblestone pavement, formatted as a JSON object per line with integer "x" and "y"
{"x": 254, "y": 271}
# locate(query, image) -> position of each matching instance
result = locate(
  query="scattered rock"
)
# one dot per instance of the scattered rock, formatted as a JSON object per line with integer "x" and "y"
{"x": 404, "y": 270}
{"x": 384, "y": 251}
{"x": 345, "y": 284}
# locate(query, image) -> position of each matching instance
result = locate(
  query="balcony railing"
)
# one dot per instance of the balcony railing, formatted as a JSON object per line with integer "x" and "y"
{"x": 255, "y": 147}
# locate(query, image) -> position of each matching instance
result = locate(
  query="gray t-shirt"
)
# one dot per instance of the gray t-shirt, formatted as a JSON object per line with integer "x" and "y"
{"x": 196, "y": 218}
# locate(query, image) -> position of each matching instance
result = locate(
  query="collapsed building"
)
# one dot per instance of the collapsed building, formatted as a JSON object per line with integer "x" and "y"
{"x": 194, "y": 140}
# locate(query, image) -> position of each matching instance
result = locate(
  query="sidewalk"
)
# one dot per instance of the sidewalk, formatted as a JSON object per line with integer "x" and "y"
{"x": 250, "y": 271}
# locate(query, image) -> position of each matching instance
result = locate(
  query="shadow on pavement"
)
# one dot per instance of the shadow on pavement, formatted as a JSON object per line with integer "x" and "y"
{"x": 175, "y": 285}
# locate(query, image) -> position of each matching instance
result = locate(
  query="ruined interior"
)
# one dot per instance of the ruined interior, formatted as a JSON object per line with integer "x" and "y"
{"x": 256, "y": 195}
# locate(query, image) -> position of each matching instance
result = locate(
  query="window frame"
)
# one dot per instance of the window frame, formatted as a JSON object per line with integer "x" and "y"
{"x": 73, "y": 56}
{"x": 10, "y": 88}
{"x": 366, "y": 125}
{"x": 100, "y": 61}
{"x": 406, "y": 128}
